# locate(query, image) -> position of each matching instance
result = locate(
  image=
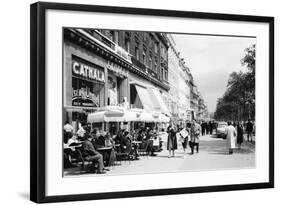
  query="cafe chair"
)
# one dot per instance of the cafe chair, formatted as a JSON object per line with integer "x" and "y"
{"x": 124, "y": 155}
{"x": 86, "y": 165}
{"x": 143, "y": 149}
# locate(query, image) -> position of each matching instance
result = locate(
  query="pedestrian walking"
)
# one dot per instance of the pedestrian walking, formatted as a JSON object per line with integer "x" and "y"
{"x": 172, "y": 141}
{"x": 249, "y": 130}
{"x": 230, "y": 137}
{"x": 195, "y": 132}
{"x": 210, "y": 125}
{"x": 207, "y": 128}
{"x": 239, "y": 134}
{"x": 183, "y": 138}
{"x": 203, "y": 127}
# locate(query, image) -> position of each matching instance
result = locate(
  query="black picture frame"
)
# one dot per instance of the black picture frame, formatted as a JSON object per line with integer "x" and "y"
{"x": 38, "y": 100}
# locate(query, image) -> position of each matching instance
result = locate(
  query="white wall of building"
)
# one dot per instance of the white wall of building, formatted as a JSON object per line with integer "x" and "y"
{"x": 179, "y": 94}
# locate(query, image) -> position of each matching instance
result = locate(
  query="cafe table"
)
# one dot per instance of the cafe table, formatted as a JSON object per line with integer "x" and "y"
{"x": 107, "y": 150}
{"x": 136, "y": 142}
{"x": 72, "y": 147}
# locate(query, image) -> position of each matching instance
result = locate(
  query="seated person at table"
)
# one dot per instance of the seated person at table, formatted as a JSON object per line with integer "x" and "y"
{"x": 73, "y": 140}
{"x": 94, "y": 132}
{"x": 98, "y": 140}
{"x": 141, "y": 135}
{"x": 124, "y": 141}
{"x": 108, "y": 140}
{"x": 148, "y": 140}
{"x": 131, "y": 138}
{"x": 88, "y": 127}
{"x": 117, "y": 139}
{"x": 91, "y": 154}
{"x": 110, "y": 156}
{"x": 68, "y": 151}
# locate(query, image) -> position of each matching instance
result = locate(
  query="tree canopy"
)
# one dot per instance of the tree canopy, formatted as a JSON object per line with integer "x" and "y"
{"x": 238, "y": 101}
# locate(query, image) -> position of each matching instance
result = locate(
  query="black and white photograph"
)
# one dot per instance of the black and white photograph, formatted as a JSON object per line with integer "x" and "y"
{"x": 133, "y": 102}
{"x": 144, "y": 102}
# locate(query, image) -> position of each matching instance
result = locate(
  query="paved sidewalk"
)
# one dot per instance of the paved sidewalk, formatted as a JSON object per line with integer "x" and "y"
{"x": 212, "y": 156}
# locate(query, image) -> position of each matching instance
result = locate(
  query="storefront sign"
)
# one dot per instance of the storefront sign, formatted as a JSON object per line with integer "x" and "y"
{"x": 86, "y": 71}
{"x": 83, "y": 97}
{"x": 117, "y": 69}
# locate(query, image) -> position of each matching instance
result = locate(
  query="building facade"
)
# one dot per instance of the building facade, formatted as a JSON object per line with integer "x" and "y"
{"x": 179, "y": 93}
{"x": 108, "y": 68}
{"x": 185, "y": 102}
{"x": 202, "y": 109}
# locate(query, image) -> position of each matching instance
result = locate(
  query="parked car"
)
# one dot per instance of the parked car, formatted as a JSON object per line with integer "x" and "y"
{"x": 221, "y": 129}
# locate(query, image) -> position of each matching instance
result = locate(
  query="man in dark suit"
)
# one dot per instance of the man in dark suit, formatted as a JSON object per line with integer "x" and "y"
{"x": 249, "y": 129}
{"x": 93, "y": 155}
{"x": 210, "y": 126}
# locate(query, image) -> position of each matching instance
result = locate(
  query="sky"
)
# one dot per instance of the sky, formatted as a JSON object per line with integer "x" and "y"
{"x": 211, "y": 60}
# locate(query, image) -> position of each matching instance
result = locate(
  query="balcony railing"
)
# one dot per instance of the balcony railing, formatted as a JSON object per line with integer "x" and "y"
{"x": 102, "y": 39}
{"x": 137, "y": 63}
{"x": 97, "y": 35}
{"x": 152, "y": 73}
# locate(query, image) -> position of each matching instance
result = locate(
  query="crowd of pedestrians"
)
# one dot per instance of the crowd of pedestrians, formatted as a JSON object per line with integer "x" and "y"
{"x": 190, "y": 135}
{"x": 235, "y": 134}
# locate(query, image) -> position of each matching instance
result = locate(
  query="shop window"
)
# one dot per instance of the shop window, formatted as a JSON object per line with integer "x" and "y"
{"x": 87, "y": 84}
{"x": 112, "y": 90}
{"x": 116, "y": 93}
{"x": 87, "y": 93}
{"x": 134, "y": 98}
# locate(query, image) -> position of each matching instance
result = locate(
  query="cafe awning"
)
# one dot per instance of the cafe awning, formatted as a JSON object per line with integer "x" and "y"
{"x": 163, "y": 118}
{"x": 106, "y": 116}
{"x": 131, "y": 115}
{"x": 145, "y": 98}
{"x": 159, "y": 104}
